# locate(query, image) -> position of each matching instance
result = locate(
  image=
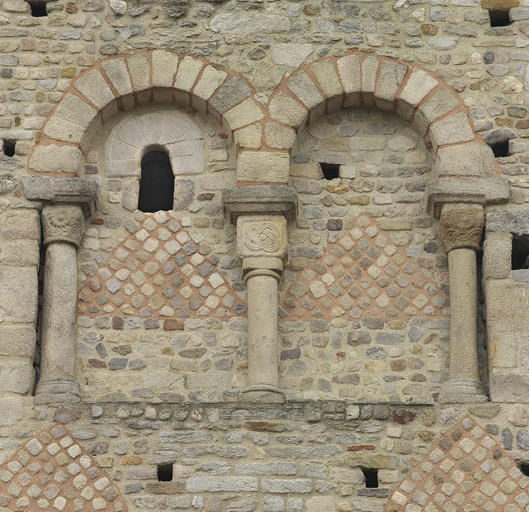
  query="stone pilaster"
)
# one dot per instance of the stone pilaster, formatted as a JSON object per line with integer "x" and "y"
{"x": 63, "y": 230}
{"x": 461, "y": 230}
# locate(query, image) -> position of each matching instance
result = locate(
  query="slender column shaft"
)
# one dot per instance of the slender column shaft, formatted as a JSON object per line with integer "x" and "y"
{"x": 461, "y": 228}
{"x": 463, "y": 308}
{"x": 58, "y": 329}
{"x": 262, "y": 288}
{"x": 63, "y": 227}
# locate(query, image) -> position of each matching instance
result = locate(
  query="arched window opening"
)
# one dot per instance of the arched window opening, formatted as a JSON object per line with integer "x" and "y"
{"x": 157, "y": 183}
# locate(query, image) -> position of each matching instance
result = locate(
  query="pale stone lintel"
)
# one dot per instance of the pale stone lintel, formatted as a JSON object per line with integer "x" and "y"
{"x": 62, "y": 190}
{"x": 260, "y": 200}
{"x": 484, "y": 191}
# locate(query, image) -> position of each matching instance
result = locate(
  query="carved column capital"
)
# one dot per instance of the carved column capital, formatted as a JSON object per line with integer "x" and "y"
{"x": 462, "y": 228}
{"x": 262, "y": 242}
{"x": 63, "y": 223}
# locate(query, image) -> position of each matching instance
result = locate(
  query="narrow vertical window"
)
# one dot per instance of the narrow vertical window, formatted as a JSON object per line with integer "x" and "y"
{"x": 156, "y": 183}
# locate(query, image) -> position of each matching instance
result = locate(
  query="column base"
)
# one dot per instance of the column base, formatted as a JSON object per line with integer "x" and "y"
{"x": 57, "y": 390}
{"x": 263, "y": 393}
{"x": 462, "y": 391}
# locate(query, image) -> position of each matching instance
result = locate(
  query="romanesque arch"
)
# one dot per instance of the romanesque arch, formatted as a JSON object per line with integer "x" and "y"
{"x": 365, "y": 80}
{"x": 120, "y": 83}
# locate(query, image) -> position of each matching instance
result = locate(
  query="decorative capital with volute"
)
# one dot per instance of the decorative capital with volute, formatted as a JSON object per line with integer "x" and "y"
{"x": 63, "y": 223}
{"x": 462, "y": 228}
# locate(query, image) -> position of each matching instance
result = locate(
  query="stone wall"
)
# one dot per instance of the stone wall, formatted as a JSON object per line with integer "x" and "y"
{"x": 258, "y": 92}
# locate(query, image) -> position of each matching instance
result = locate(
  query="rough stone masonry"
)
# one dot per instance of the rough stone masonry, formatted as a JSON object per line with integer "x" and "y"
{"x": 331, "y": 316}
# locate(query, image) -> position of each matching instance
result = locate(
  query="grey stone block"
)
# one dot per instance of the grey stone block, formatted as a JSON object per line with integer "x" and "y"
{"x": 61, "y": 190}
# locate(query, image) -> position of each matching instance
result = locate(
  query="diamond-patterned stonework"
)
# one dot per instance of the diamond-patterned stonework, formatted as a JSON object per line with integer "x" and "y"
{"x": 465, "y": 470}
{"x": 363, "y": 273}
{"x": 52, "y": 472}
{"x": 158, "y": 272}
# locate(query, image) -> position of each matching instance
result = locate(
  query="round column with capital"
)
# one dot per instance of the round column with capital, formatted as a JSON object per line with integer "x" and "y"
{"x": 262, "y": 247}
{"x": 461, "y": 230}
{"x": 63, "y": 230}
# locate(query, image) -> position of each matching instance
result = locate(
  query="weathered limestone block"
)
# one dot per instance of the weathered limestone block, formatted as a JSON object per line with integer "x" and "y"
{"x": 140, "y": 72}
{"x": 249, "y": 23}
{"x": 349, "y": 70}
{"x": 451, "y": 129}
{"x": 369, "y": 77}
{"x": 188, "y": 71}
{"x": 290, "y": 54}
{"x": 305, "y": 89}
{"x": 438, "y": 105}
{"x": 279, "y": 136}
{"x": 18, "y": 294}
{"x": 512, "y": 218}
{"x": 327, "y": 77}
{"x": 20, "y": 224}
{"x": 497, "y": 255}
{"x": 16, "y": 377}
{"x": 164, "y": 66}
{"x": 70, "y": 120}
{"x": 419, "y": 84}
{"x": 472, "y": 159}
{"x": 55, "y": 158}
{"x": 263, "y": 166}
{"x": 94, "y": 88}
{"x": 390, "y": 77}
{"x": 18, "y": 340}
{"x": 245, "y": 113}
{"x": 287, "y": 110}
{"x": 116, "y": 70}
{"x": 209, "y": 82}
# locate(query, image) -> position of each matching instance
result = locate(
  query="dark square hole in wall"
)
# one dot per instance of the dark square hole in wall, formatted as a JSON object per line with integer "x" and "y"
{"x": 520, "y": 251}
{"x": 330, "y": 171}
{"x": 38, "y": 9}
{"x": 165, "y": 472}
{"x": 524, "y": 468}
{"x": 9, "y": 147}
{"x": 371, "y": 476}
{"x": 500, "y": 148}
{"x": 499, "y": 17}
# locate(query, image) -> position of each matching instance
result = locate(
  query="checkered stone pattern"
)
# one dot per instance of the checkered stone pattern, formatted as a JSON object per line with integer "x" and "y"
{"x": 466, "y": 470}
{"x": 158, "y": 272}
{"x": 52, "y": 472}
{"x": 363, "y": 273}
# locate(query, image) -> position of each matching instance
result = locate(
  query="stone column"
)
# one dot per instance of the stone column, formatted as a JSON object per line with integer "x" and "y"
{"x": 262, "y": 247}
{"x": 461, "y": 229}
{"x": 63, "y": 228}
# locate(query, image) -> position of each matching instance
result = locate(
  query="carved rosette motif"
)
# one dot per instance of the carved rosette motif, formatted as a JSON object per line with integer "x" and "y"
{"x": 262, "y": 236}
{"x": 63, "y": 223}
{"x": 462, "y": 228}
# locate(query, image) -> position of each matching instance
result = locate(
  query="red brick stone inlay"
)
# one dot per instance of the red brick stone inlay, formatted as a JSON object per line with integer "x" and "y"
{"x": 465, "y": 470}
{"x": 52, "y": 472}
{"x": 363, "y": 273}
{"x": 158, "y": 272}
